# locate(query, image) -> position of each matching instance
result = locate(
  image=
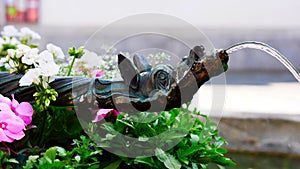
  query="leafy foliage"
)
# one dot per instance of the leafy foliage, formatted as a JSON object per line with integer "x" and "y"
{"x": 56, "y": 126}
{"x": 84, "y": 155}
{"x": 6, "y": 162}
{"x": 198, "y": 142}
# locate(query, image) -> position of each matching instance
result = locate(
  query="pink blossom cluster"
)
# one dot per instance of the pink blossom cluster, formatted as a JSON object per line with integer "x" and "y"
{"x": 91, "y": 71}
{"x": 14, "y": 117}
{"x": 102, "y": 113}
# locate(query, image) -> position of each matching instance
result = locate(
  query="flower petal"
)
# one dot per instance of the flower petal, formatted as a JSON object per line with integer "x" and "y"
{"x": 4, "y": 108}
{"x": 115, "y": 112}
{"x": 10, "y": 31}
{"x": 4, "y": 99}
{"x": 99, "y": 73}
{"x": 27, "y": 119}
{"x": 104, "y": 111}
{"x": 32, "y": 76}
{"x": 98, "y": 118}
{"x": 15, "y": 136}
{"x": 14, "y": 103}
{"x": 4, "y": 138}
{"x": 55, "y": 50}
{"x": 15, "y": 124}
{"x": 24, "y": 110}
{"x": 101, "y": 114}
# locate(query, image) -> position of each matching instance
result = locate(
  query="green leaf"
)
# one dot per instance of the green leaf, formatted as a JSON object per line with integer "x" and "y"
{"x": 221, "y": 150}
{"x": 172, "y": 163}
{"x": 220, "y": 167}
{"x": 50, "y": 154}
{"x": 225, "y": 161}
{"x": 190, "y": 150}
{"x": 219, "y": 141}
{"x": 114, "y": 165}
{"x": 32, "y": 159}
{"x": 194, "y": 166}
{"x": 160, "y": 154}
{"x": 77, "y": 158}
{"x": 97, "y": 166}
{"x": 194, "y": 138}
{"x": 13, "y": 161}
{"x": 126, "y": 123}
{"x": 174, "y": 113}
{"x": 145, "y": 160}
{"x": 168, "y": 160}
{"x": 204, "y": 166}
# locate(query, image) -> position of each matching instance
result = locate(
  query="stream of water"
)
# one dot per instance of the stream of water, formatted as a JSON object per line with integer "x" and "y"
{"x": 268, "y": 49}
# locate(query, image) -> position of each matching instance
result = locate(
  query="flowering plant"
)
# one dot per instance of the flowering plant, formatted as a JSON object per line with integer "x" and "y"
{"x": 42, "y": 135}
{"x": 14, "y": 118}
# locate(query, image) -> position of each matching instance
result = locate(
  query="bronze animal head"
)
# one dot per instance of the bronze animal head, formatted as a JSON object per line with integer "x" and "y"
{"x": 144, "y": 88}
{"x": 160, "y": 88}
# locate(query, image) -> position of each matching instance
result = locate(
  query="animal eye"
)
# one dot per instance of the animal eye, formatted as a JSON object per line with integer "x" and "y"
{"x": 162, "y": 76}
{"x": 162, "y": 80}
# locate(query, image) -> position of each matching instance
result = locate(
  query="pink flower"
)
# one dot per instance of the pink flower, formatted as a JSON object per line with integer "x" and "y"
{"x": 101, "y": 113}
{"x": 99, "y": 73}
{"x": 4, "y": 99}
{"x": 23, "y": 110}
{"x": 11, "y": 126}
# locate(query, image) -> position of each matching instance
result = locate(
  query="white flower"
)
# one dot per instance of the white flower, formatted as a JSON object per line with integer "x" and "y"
{"x": 10, "y": 31}
{"x": 46, "y": 63}
{"x": 45, "y": 67}
{"x": 21, "y": 50}
{"x": 12, "y": 41}
{"x": 49, "y": 69}
{"x": 90, "y": 60}
{"x": 12, "y": 64}
{"x": 22, "y": 47}
{"x": 27, "y": 33}
{"x": 11, "y": 53}
{"x": 56, "y": 51}
{"x": 3, "y": 61}
{"x": 45, "y": 57}
{"x": 30, "y": 56}
{"x": 32, "y": 76}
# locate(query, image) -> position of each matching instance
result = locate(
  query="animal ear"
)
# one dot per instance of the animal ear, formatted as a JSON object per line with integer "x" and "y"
{"x": 197, "y": 52}
{"x": 128, "y": 71}
{"x": 141, "y": 63}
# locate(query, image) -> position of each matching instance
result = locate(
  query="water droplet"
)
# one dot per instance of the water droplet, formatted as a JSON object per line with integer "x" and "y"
{"x": 81, "y": 99}
{"x": 127, "y": 144}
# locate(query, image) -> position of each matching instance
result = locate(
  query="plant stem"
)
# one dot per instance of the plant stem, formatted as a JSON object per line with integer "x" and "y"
{"x": 43, "y": 127}
{"x": 71, "y": 66}
{"x": 9, "y": 149}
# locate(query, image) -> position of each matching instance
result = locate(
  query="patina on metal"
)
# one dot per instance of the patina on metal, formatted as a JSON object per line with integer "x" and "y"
{"x": 144, "y": 88}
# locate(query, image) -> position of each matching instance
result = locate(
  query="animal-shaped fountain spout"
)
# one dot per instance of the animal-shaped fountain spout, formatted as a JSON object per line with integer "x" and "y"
{"x": 144, "y": 88}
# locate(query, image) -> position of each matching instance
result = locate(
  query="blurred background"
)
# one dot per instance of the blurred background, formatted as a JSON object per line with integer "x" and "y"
{"x": 224, "y": 22}
{"x": 261, "y": 111}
